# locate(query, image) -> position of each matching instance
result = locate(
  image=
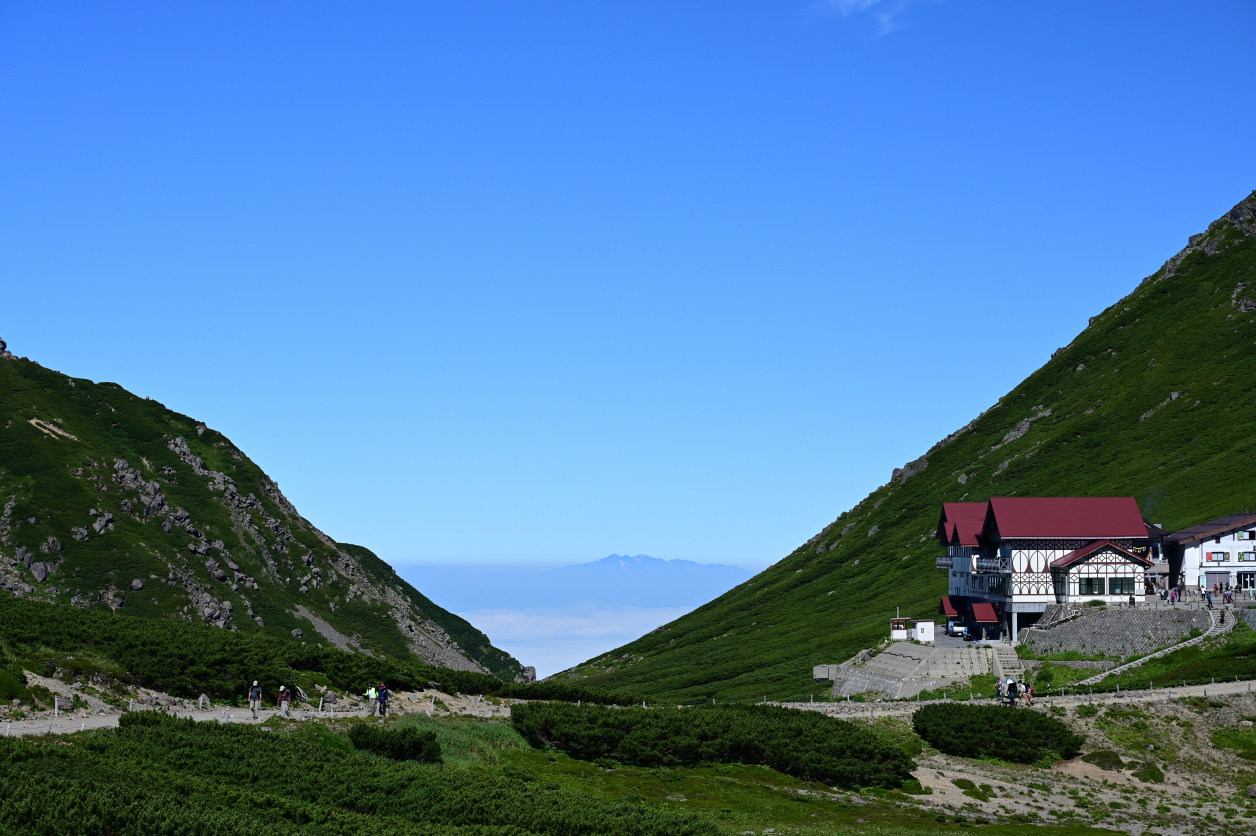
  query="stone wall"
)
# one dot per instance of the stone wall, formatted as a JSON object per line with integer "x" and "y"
{"x": 1117, "y": 632}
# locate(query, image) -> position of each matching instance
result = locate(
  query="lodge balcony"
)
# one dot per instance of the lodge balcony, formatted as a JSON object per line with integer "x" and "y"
{"x": 994, "y": 564}
{"x": 945, "y": 561}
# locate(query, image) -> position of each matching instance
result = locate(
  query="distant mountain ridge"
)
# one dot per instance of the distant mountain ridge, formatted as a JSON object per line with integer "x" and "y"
{"x": 616, "y": 580}
{"x": 1155, "y": 398}
{"x": 113, "y": 501}
{"x": 642, "y": 580}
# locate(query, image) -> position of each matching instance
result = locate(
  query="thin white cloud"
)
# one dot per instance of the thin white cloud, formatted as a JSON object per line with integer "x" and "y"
{"x": 888, "y": 14}
{"x": 846, "y": 8}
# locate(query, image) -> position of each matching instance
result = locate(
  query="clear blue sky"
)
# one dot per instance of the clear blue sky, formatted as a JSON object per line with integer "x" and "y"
{"x": 538, "y": 282}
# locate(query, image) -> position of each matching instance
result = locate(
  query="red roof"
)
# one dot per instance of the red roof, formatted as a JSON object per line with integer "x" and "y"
{"x": 956, "y": 511}
{"x": 984, "y": 612}
{"x": 1067, "y": 517}
{"x": 965, "y": 532}
{"x": 948, "y": 607}
{"x": 1091, "y": 548}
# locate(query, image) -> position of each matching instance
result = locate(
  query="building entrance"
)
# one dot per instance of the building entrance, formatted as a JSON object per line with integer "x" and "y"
{"x": 1247, "y": 580}
{"x": 1212, "y": 579}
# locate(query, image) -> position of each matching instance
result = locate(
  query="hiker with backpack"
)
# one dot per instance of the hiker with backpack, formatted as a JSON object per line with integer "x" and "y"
{"x": 255, "y": 698}
{"x": 382, "y": 697}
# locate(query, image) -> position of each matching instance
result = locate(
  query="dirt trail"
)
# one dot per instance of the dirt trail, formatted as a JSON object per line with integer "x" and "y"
{"x": 100, "y": 715}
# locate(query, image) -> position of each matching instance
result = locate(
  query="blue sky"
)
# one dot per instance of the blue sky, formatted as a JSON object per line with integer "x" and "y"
{"x": 534, "y": 283}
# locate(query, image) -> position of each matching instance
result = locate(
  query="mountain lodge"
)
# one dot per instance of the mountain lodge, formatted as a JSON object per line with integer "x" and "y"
{"x": 1011, "y": 558}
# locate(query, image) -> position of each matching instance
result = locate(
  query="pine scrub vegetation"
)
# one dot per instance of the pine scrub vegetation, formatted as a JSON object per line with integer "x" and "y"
{"x": 803, "y": 744}
{"x": 991, "y": 731}
{"x": 160, "y": 776}
{"x": 187, "y": 660}
{"x": 403, "y": 743}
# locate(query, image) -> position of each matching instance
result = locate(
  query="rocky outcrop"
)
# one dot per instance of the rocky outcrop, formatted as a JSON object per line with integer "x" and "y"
{"x": 902, "y": 474}
{"x": 1239, "y": 222}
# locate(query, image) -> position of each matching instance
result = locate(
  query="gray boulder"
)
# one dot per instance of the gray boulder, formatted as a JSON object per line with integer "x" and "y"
{"x": 298, "y": 633}
{"x": 40, "y": 571}
{"x": 24, "y": 557}
{"x": 137, "y": 585}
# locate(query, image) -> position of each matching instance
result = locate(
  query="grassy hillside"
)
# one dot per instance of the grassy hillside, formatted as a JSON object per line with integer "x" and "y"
{"x": 111, "y": 501}
{"x": 1155, "y": 399}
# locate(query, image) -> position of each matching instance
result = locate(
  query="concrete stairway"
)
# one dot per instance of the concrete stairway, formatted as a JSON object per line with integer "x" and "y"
{"x": 1007, "y": 663}
{"x": 904, "y": 669}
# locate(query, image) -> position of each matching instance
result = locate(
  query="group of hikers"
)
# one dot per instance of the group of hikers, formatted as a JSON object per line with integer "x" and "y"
{"x": 1010, "y": 690}
{"x": 255, "y": 699}
{"x": 1223, "y": 591}
{"x": 378, "y": 697}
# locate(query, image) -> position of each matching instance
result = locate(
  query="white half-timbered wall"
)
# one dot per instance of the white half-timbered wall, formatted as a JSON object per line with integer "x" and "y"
{"x": 1104, "y": 564}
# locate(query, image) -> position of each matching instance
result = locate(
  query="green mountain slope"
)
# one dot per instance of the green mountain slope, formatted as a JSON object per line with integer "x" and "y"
{"x": 114, "y": 501}
{"x": 1155, "y": 399}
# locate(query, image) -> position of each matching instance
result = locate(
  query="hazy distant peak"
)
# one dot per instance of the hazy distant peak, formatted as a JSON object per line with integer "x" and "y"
{"x": 644, "y": 563}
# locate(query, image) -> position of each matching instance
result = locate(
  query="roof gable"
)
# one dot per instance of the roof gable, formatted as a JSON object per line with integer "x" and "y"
{"x": 1093, "y": 550}
{"x": 1065, "y": 517}
{"x": 954, "y": 513}
{"x": 966, "y": 532}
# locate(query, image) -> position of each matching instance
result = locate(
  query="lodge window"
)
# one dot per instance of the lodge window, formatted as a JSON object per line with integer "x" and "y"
{"x": 1218, "y": 557}
{"x": 1245, "y": 535}
{"x": 1092, "y": 586}
{"x": 1121, "y": 586}
{"x": 1247, "y": 557}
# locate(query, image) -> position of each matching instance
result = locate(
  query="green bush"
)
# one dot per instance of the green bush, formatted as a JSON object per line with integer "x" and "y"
{"x": 187, "y": 660}
{"x": 1241, "y": 741}
{"x": 406, "y": 743}
{"x": 1087, "y": 710}
{"x": 1105, "y": 759}
{"x": 804, "y": 744}
{"x": 1149, "y": 773}
{"x": 13, "y": 684}
{"x": 159, "y": 776}
{"x": 989, "y": 731}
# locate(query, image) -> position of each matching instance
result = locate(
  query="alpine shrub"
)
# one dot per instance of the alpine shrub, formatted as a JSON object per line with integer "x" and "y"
{"x": 187, "y": 660}
{"x": 988, "y": 731}
{"x": 804, "y": 744}
{"x": 406, "y": 743}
